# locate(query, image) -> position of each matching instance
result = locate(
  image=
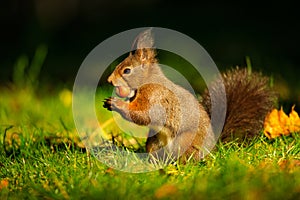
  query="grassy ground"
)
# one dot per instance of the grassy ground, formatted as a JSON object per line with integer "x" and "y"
{"x": 41, "y": 157}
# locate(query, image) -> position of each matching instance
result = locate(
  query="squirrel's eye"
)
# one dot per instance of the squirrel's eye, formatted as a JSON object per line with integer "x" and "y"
{"x": 127, "y": 71}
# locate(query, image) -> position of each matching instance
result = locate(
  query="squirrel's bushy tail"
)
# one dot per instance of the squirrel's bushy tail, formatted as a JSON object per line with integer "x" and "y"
{"x": 249, "y": 99}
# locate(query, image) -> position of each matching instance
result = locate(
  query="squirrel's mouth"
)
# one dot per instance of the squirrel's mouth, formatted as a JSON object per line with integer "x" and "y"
{"x": 124, "y": 91}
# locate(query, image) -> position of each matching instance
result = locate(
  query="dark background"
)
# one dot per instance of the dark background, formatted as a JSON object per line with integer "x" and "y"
{"x": 268, "y": 33}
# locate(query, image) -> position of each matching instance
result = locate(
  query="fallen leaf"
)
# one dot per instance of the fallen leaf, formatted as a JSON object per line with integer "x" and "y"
{"x": 284, "y": 122}
{"x": 3, "y": 184}
{"x": 274, "y": 124}
{"x": 166, "y": 190}
{"x": 289, "y": 165}
{"x": 294, "y": 121}
{"x": 110, "y": 171}
{"x": 277, "y": 123}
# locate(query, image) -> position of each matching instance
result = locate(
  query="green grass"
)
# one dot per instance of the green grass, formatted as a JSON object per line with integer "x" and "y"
{"x": 39, "y": 162}
{"x": 41, "y": 156}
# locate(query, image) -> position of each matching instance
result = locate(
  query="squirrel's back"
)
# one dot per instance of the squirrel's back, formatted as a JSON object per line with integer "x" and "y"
{"x": 249, "y": 99}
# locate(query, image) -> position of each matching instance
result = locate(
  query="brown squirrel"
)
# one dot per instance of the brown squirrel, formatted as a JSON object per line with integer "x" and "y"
{"x": 179, "y": 125}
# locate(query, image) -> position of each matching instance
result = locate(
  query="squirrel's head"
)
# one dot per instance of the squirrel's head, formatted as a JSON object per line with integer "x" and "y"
{"x": 134, "y": 70}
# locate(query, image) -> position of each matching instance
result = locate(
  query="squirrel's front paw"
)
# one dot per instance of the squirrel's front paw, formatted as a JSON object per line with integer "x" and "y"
{"x": 113, "y": 103}
{"x": 108, "y": 103}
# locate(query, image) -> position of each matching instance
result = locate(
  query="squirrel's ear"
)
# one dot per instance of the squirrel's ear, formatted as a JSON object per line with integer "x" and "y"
{"x": 146, "y": 55}
{"x": 145, "y": 44}
{"x": 145, "y": 39}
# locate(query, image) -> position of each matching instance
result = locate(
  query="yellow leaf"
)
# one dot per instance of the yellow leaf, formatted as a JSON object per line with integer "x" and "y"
{"x": 3, "y": 184}
{"x": 166, "y": 191}
{"x": 289, "y": 165}
{"x": 284, "y": 122}
{"x": 294, "y": 121}
{"x": 277, "y": 123}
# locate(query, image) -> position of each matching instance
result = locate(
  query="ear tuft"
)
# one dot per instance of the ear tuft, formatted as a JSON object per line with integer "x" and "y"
{"x": 145, "y": 39}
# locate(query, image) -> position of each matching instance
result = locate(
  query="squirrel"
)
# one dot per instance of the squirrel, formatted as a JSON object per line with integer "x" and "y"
{"x": 179, "y": 124}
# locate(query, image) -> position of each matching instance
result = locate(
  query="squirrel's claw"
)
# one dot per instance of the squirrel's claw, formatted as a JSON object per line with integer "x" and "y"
{"x": 108, "y": 104}
{"x": 115, "y": 104}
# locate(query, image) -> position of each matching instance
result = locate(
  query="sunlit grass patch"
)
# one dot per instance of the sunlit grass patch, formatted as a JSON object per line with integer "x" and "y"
{"x": 42, "y": 157}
